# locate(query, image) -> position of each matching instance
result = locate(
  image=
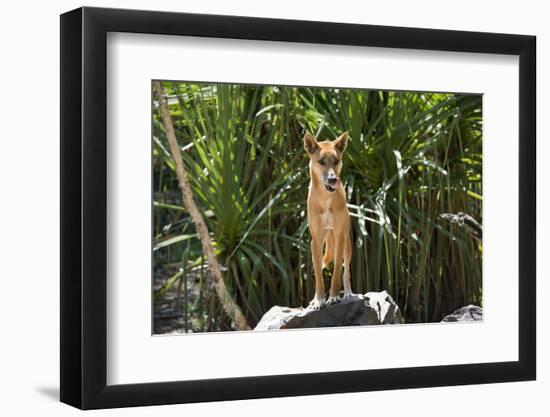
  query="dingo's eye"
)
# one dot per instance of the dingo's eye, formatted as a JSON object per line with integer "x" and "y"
{"x": 336, "y": 161}
{"x": 322, "y": 161}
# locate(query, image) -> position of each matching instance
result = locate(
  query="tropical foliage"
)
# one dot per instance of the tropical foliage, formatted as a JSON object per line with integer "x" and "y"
{"x": 411, "y": 157}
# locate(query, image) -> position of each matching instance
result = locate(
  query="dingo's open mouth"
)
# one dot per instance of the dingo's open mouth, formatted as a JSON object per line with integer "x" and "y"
{"x": 332, "y": 184}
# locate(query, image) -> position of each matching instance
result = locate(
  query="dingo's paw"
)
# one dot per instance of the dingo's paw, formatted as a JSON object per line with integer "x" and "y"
{"x": 333, "y": 300}
{"x": 348, "y": 296}
{"x": 317, "y": 304}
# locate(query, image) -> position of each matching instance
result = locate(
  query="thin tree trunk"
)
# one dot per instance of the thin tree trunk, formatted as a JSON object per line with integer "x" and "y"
{"x": 228, "y": 304}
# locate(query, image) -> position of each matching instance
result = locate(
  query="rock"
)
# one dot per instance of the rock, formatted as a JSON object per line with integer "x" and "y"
{"x": 361, "y": 309}
{"x": 468, "y": 313}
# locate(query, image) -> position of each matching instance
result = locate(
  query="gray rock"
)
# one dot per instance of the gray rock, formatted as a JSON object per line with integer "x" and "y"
{"x": 468, "y": 313}
{"x": 361, "y": 309}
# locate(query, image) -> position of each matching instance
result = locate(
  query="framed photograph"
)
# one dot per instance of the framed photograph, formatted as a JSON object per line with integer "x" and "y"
{"x": 257, "y": 208}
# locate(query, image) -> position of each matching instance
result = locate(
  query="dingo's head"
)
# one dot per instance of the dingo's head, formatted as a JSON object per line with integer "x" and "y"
{"x": 326, "y": 159}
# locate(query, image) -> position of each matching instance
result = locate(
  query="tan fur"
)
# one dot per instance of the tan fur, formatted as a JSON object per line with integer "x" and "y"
{"x": 328, "y": 217}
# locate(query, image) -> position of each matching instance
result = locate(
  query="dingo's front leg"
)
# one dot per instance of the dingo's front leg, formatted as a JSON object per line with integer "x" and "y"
{"x": 318, "y": 301}
{"x": 334, "y": 297}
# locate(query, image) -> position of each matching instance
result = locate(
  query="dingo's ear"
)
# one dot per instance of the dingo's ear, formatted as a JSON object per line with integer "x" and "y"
{"x": 341, "y": 142}
{"x": 310, "y": 144}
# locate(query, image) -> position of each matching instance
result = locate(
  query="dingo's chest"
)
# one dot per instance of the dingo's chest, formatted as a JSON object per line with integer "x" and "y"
{"x": 327, "y": 218}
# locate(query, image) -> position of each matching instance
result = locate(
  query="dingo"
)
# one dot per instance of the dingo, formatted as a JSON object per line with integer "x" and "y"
{"x": 328, "y": 217}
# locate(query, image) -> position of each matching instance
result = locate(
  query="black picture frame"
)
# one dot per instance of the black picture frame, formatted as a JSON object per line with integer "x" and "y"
{"x": 84, "y": 207}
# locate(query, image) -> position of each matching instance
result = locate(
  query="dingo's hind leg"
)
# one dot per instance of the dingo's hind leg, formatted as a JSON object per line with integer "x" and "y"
{"x": 328, "y": 257}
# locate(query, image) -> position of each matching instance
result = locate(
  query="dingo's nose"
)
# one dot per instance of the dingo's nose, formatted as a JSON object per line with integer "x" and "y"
{"x": 332, "y": 178}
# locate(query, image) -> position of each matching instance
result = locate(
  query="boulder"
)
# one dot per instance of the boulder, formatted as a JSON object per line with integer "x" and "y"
{"x": 467, "y": 313}
{"x": 361, "y": 309}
